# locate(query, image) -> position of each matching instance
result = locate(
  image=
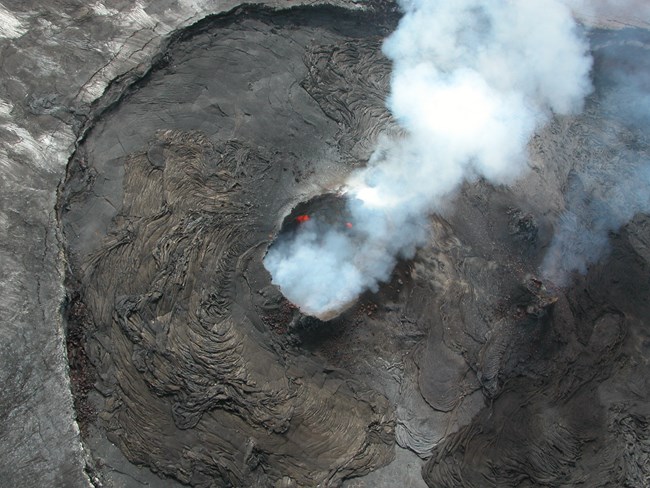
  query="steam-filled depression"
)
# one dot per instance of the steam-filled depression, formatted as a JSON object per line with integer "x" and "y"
{"x": 329, "y": 250}
{"x": 471, "y": 83}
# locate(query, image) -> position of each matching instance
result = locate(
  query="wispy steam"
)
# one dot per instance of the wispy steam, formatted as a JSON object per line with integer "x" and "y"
{"x": 605, "y": 194}
{"x": 472, "y": 81}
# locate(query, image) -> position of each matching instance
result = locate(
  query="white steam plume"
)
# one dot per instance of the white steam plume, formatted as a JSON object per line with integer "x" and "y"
{"x": 471, "y": 82}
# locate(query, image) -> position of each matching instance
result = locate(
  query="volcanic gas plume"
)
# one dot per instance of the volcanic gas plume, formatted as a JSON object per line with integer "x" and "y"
{"x": 601, "y": 198}
{"x": 472, "y": 81}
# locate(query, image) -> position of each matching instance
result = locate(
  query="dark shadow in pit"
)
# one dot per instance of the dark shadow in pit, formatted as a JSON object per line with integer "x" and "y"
{"x": 323, "y": 212}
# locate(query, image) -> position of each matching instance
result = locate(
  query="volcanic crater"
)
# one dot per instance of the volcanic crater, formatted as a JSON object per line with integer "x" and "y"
{"x": 319, "y": 218}
{"x": 466, "y": 368}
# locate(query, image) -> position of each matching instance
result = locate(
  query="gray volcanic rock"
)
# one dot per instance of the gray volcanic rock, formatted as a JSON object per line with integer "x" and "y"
{"x": 167, "y": 229}
{"x": 563, "y": 368}
{"x": 57, "y": 59}
{"x": 466, "y": 369}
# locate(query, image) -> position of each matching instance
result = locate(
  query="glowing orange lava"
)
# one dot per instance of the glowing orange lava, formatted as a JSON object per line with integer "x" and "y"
{"x": 301, "y": 219}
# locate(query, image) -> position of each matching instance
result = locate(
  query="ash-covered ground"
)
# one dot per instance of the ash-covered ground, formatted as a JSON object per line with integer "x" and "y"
{"x": 470, "y": 367}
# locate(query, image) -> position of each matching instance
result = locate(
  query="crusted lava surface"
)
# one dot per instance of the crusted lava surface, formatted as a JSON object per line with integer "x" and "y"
{"x": 465, "y": 360}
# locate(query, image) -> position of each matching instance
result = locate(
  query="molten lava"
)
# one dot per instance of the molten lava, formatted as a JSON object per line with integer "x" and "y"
{"x": 301, "y": 219}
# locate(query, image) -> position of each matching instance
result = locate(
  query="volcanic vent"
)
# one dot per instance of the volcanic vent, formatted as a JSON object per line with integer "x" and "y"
{"x": 319, "y": 235}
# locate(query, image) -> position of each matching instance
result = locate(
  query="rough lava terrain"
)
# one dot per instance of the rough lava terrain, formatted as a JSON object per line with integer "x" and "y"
{"x": 140, "y": 311}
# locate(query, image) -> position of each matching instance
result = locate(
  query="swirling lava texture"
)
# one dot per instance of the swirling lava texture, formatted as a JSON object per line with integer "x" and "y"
{"x": 206, "y": 374}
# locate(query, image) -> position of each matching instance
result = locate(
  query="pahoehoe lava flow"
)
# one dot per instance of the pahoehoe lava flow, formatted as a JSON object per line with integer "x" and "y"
{"x": 465, "y": 369}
